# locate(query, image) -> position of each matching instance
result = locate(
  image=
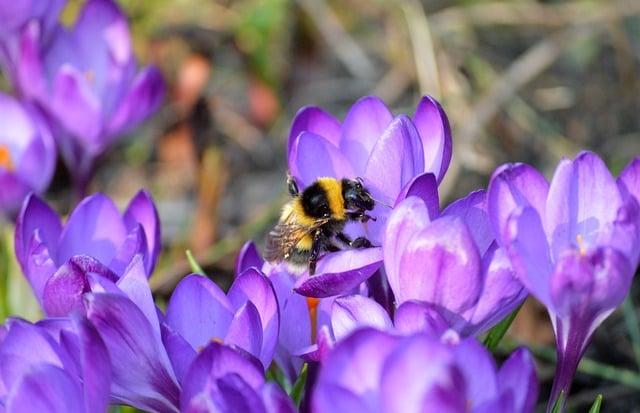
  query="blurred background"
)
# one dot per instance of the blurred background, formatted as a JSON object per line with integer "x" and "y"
{"x": 529, "y": 81}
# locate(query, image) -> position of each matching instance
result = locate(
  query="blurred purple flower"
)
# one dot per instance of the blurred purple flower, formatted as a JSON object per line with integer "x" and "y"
{"x": 574, "y": 244}
{"x": 248, "y": 316}
{"x": 15, "y": 16}
{"x": 449, "y": 265}
{"x": 373, "y": 371}
{"x": 58, "y": 365}
{"x": 225, "y": 380}
{"x": 396, "y": 157}
{"x": 61, "y": 261}
{"x": 86, "y": 79}
{"x": 27, "y": 154}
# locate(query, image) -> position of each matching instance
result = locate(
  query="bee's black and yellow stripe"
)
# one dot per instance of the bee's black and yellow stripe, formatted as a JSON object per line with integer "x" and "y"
{"x": 322, "y": 198}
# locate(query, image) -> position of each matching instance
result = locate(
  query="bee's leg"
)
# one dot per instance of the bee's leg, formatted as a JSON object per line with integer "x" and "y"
{"x": 360, "y": 242}
{"x": 360, "y": 216}
{"x": 315, "y": 251}
{"x": 292, "y": 185}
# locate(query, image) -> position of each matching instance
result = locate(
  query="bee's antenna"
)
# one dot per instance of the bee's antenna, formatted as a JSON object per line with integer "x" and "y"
{"x": 381, "y": 203}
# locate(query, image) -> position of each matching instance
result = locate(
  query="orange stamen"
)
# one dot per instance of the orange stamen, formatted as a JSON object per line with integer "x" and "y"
{"x": 581, "y": 248}
{"x": 312, "y": 305}
{"x": 5, "y": 158}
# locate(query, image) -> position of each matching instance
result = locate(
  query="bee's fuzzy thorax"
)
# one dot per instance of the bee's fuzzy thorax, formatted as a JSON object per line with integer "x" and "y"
{"x": 333, "y": 190}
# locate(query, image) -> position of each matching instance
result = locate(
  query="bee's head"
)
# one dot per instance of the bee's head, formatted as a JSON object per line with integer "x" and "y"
{"x": 356, "y": 196}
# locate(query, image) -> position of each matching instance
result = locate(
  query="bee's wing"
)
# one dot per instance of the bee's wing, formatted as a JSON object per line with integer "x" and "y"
{"x": 285, "y": 236}
{"x": 282, "y": 240}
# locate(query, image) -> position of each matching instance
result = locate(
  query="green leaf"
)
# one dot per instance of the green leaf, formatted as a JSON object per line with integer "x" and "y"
{"x": 494, "y": 336}
{"x": 596, "y": 405}
{"x": 195, "y": 267}
{"x": 275, "y": 374}
{"x": 298, "y": 386}
{"x": 559, "y": 404}
{"x": 4, "y": 278}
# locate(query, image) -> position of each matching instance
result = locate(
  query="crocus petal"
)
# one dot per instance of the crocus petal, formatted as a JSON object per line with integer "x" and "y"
{"x": 142, "y": 210}
{"x": 356, "y": 362}
{"x": 275, "y": 399}
{"x": 245, "y": 330}
{"x": 36, "y": 215}
{"x": 30, "y": 74}
{"x": 479, "y": 370}
{"x": 313, "y": 157}
{"x": 362, "y": 127}
{"x": 472, "y": 209}
{"x": 46, "y": 388}
{"x": 94, "y": 228}
{"x": 134, "y": 244}
{"x": 64, "y": 290}
{"x": 517, "y": 376}
{"x": 355, "y": 311}
{"x": 416, "y": 316}
{"x": 629, "y": 178}
{"x": 255, "y": 287}
{"x": 142, "y": 373}
{"x": 144, "y": 98}
{"x": 213, "y": 363}
{"x": 248, "y": 257}
{"x": 583, "y": 199}
{"x": 586, "y": 285}
{"x": 232, "y": 394}
{"x": 295, "y": 326}
{"x": 134, "y": 284}
{"x": 408, "y": 218}
{"x": 95, "y": 365}
{"x": 421, "y": 370}
{"x": 76, "y": 107}
{"x": 199, "y": 311}
{"x": 435, "y": 132}
{"x": 502, "y": 293}
{"x": 26, "y": 345}
{"x": 316, "y": 120}
{"x": 514, "y": 186}
{"x": 529, "y": 252}
{"x": 340, "y": 272}
{"x": 330, "y": 398}
{"x": 179, "y": 350}
{"x": 441, "y": 266}
{"x": 395, "y": 159}
{"x": 425, "y": 187}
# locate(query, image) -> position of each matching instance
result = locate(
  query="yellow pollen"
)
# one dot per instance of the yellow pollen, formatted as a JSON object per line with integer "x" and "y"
{"x": 5, "y": 158}
{"x": 581, "y": 247}
{"x": 312, "y": 304}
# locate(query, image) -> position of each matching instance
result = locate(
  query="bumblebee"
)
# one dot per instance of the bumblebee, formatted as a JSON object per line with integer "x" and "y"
{"x": 314, "y": 219}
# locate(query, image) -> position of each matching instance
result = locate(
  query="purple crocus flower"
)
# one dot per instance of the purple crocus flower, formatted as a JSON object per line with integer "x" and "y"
{"x": 449, "y": 265}
{"x": 56, "y": 365}
{"x": 57, "y": 259}
{"x": 373, "y": 371}
{"x": 15, "y": 16}
{"x": 300, "y": 317}
{"x": 86, "y": 79}
{"x": 226, "y": 380}
{"x": 129, "y": 323}
{"x": 395, "y": 156}
{"x": 248, "y": 316}
{"x": 574, "y": 244}
{"x": 27, "y": 153}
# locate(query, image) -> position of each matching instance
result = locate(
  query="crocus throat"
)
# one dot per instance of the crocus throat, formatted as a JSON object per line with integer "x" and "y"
{"x": 312, "y": 304}
{"x": 90, "y": 76}
{"x": 5, "y": 158}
